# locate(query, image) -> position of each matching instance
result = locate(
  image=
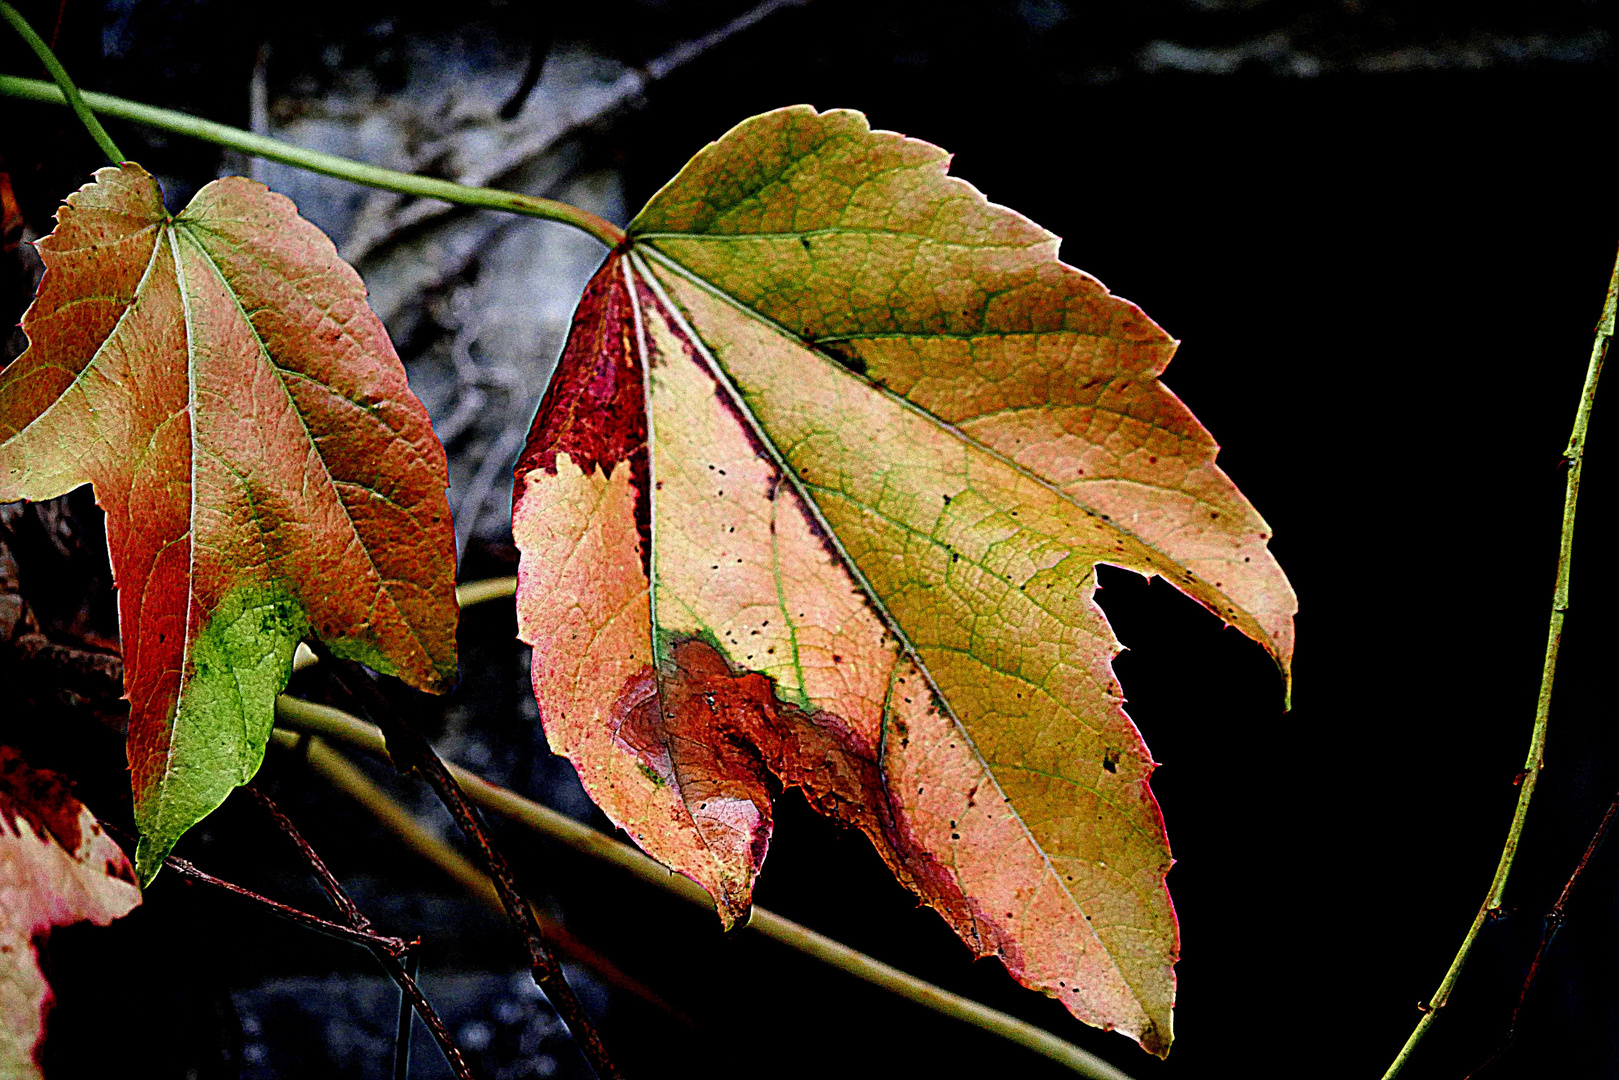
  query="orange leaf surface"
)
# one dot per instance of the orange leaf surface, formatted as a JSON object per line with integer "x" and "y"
{"x": 265, "y": 470}
{"x": 56, "y": 867}
{"x": 816, "y": 498}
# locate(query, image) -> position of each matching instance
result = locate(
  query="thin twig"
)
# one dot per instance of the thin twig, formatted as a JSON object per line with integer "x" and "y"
{"x": 340, "y": 727}
{"x": 64, "y": 85}
{"x": 501, "y": 163}
{"x": 688, "y": 51}
{"x": 328, "y": 881}
{"x": 392, "y": 946}
{"x": 402, "y": 973}
{"x": 411, "y": 752}
{"x": 1554, "y": 923}
{"x": 343, "y": 775}
{"x": 405, "y": 978}
{"x": 56, "y": 27}
{"x": 1573, "y": 459}
{"x": 498, "y": 461}
{"x": 407, "y": 1015}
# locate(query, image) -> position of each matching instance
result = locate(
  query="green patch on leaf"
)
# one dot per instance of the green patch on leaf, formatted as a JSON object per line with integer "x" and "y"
{"x": 238, "y": 664}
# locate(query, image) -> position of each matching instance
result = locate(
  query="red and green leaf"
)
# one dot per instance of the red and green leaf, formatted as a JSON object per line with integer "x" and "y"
{"x": 266, "y": 472}
{"x": 816, "y": 497}
{"x": 56, "y": 868}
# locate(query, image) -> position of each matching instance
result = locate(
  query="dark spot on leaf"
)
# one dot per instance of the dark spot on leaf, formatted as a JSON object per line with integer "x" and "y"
{"x": 846, "y": 356}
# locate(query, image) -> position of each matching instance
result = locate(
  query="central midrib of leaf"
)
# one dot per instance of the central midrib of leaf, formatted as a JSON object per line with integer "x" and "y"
{"x": 183, "y": 226}
{"x": 802, "y": 490}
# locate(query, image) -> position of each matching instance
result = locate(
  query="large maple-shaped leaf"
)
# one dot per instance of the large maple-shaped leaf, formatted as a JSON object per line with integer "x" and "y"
{"x": 265, "y": 470}
{"x": 56, "y": 867}
{"x": 817, "y": 494}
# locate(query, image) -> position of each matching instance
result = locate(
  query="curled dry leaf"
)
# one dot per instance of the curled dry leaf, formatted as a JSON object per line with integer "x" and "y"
{"x": 56, "y": 867}
{"x": 265, "y": 470}
{"x": 816, "y": 497}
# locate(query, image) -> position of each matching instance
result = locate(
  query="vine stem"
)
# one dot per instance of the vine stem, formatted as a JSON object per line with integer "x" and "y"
{"x": 1573, "y": 460}
{"x": 69, "y": 93}
{"x": 337, "y": 726}
{"x": 328, "y": 164}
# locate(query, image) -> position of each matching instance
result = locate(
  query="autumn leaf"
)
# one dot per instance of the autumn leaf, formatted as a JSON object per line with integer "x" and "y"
{"x": 816, "y": 497}
{"x": 265, "y": 470}
{"x": 56, "y": 868}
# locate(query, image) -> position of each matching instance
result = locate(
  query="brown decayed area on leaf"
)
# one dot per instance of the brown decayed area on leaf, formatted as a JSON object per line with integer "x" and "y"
{"x": 722, "y": 734}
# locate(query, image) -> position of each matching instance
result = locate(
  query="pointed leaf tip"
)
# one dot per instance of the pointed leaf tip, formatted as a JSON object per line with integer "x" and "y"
{"x": 816, "y": 498}
{"x": 266, "y": 472}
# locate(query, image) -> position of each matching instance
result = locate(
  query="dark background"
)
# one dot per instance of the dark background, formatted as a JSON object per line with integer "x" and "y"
{"x": 1382, "y": 236}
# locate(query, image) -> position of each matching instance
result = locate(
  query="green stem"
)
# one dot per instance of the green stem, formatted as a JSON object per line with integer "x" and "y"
{"x": 329, "y": 164}
{"x": 479, "y": 592}
{"x": 337, "y": 726}
{"x": 64, "y": 85}
{"x": 1574, "y": 459}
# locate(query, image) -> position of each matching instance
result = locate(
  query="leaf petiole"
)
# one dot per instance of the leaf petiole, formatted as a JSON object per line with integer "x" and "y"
{"x": 64, "y": 85}
{"x": 313, "y": 160}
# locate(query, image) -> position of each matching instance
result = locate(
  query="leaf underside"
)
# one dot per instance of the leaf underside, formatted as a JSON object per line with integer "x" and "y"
{"x": 815, "y": 499}
{"x": 56, "y": 867}
{"x": 266, "y": 473}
